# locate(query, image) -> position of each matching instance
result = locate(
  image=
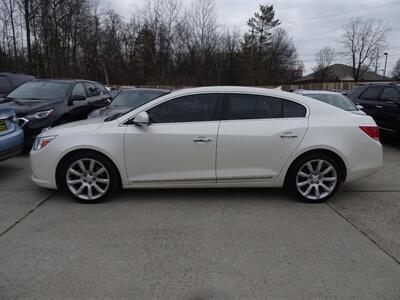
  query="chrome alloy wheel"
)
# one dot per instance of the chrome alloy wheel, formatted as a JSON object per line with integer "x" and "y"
{"x": 316, "y": 179}
{"x": 87, "y": 179}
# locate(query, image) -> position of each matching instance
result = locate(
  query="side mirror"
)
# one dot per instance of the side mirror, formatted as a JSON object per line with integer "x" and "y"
{"x": 141, "y": 119}
{"x": 360, "y": 107}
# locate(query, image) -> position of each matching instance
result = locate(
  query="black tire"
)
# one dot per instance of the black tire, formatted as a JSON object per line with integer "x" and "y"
{"x": 293, "y": 175}
{"x": 87, "y": 155}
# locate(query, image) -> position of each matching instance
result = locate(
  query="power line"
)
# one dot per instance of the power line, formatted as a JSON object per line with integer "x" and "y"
{"x": 344, "y": 13}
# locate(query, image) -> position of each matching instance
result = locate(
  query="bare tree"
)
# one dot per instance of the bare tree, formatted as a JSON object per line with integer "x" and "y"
{"x": 362, "y": 39}
{"x": 323, "y": 58}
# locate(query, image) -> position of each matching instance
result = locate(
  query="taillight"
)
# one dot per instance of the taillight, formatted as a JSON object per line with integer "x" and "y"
{"x": 372, "y": 131}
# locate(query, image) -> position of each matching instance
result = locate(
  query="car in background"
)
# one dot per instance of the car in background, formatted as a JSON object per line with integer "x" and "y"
{"x": 11, "y": 135}
{"x": 332, "y": 98}
{"x": 211, "y": 137}
{"x": 382, "y": 102}
{"x": 43, "y": 103}
{"x": 128, "y": 99}
{"x": 10, "y": 81}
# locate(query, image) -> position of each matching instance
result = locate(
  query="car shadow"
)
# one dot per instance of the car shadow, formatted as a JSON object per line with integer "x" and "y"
{"x": 203, "y": 195}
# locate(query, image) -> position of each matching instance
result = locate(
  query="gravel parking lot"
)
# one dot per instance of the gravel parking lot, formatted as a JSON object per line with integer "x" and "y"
{"x": 201, "y": 244}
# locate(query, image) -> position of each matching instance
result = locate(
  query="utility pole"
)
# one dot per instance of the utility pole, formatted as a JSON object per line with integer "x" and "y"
{"x": 376, "y": 61}
{"x": 384, "y": 70}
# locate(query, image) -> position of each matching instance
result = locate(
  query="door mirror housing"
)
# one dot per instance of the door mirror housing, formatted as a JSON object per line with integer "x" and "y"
{"x": 141, "y": 119}
{"x": 360, "y": 107}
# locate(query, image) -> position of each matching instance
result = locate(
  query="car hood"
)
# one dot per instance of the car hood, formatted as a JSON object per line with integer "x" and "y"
{"x": 23, "y": 107}
{"x": 87, "y": 125}
{"x": 108, "y": 111}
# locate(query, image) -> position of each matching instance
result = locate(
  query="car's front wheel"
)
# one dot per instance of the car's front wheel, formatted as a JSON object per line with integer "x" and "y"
{"x": 89, "y": 177}
{"x": 314, "y": 178}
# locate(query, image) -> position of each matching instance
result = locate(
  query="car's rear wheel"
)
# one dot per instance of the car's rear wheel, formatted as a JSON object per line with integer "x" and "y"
{"x": 89, "y": 177}
{"x": 314, "y": 178}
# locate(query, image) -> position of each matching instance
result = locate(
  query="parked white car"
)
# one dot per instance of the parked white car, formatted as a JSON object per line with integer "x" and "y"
{"x": 211, "y": 137}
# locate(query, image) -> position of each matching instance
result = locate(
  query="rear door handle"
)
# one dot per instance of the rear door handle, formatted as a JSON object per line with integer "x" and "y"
{"x": 289, "y": 135}
{"x": 378, "y": 106}
{"x": 202, "y": 139}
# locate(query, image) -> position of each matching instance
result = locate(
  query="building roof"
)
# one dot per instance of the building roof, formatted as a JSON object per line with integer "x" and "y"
{"x": 340, "y": 72}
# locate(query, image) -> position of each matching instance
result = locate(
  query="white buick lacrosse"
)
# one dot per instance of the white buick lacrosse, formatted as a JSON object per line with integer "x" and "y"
{"x": 211, "y": 137}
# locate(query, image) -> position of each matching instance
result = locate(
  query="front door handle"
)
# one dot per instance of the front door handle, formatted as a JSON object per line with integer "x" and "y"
{"x": 378, "y": 106}
{"x": 202, "y": 139}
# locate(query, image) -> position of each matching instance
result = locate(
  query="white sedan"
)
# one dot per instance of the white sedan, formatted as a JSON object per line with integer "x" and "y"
{"x": 211, "y": 137}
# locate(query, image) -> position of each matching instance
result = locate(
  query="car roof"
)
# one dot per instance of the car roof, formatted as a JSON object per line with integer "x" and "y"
{"x": 307, "y": 101}
{"x": 65, "y": 80}
{"x": 17, "y": 79}
{"x": 144, "y": 90}
{"x": 319, "y": 92}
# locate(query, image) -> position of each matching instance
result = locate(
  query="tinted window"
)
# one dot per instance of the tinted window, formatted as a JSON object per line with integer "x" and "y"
{"x": 5, "y": 85}
{"x": 371, "y": 93}
{"x": 192, "y": 108}
{"x": 134, "y": 98}
{"x": 41, "y": 90}
{"x": 337, "y": 100}
{"x": 241, "y": 106}
{"x": 79, "y": 90}
{"x": 390, "y": 94}
{"x": 293, "y": 110}
{"x": 91, "y": 89}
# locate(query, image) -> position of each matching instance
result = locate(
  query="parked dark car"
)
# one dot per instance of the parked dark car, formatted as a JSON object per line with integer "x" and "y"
{"x": 128, "y": 99}
{"x": 382, "y": 102}
{"x": 10, "y": 81}
{"x": 43, "y": 103}
{"x": 11, "y": 135}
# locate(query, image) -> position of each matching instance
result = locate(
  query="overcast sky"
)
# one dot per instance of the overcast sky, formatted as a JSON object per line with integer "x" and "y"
{"x": 312, "y": 24}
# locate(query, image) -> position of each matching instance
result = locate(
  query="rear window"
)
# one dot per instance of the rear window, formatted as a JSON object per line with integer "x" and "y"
{"x": 293, "y": 110}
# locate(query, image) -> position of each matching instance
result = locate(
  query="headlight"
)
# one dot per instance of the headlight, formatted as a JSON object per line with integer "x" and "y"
{"x": 42, "y": 141}
{"x": 40, "y": 114}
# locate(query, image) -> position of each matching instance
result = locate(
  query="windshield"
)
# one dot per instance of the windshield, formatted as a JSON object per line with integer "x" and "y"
{"x": 40, "y": 90}
{"x": 335, "y": 100}
{"x": 134, "y": 99}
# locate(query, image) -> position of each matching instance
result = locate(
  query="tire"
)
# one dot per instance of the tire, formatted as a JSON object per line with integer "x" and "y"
{"x": 88, "y": 177}
{"x": 305, "y": 182}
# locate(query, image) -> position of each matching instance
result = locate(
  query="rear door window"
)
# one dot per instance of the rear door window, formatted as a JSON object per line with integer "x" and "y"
{"x": 390, "y": 94}
{"x": 372, "y": 94}
{"x": 243, "y": 106}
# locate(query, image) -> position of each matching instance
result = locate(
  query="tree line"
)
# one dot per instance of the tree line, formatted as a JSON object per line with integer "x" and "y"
{"x": 163, "y": 43}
